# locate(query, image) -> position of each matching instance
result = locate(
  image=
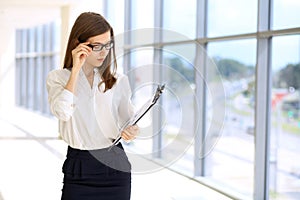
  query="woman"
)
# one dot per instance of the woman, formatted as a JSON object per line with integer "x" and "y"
{"x": 92, "y": 102}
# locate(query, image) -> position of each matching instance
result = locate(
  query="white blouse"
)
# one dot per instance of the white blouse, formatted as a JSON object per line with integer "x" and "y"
{"x": 89, "y": 119}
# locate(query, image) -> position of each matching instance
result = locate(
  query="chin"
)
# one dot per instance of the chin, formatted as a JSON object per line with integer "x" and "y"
{"x": 98, "y": 64}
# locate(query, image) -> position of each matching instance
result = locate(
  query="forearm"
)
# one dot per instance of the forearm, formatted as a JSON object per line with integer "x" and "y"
{"x": 79, "y": 55}
{"x": 71, "y": 84}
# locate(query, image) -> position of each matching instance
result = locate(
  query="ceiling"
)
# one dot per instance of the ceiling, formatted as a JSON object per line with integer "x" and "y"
{"x": 24, "y": 13}
{"x": 41, "y": 3}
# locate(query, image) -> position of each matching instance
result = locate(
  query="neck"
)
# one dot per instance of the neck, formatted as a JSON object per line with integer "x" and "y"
{"x": 88, "y": 71}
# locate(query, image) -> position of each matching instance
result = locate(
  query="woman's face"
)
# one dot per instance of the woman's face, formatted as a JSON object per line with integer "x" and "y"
{"x": 96, "y": 58}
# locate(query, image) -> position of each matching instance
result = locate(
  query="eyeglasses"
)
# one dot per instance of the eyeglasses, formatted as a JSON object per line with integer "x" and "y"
{"x": 99, "y": 47}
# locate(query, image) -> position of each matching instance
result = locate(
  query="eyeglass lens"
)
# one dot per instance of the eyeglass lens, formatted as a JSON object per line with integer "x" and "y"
{"x": 99, "y": 47}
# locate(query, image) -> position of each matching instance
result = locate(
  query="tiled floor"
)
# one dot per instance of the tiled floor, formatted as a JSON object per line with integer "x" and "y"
{"x": 32, "y": 156}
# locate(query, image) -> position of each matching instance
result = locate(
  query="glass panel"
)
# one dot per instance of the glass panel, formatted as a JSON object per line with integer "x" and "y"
{"x": 36, "y": 87}
{"x": 141, "y": 80}
{"x": 142, "y": 14}
{"x": 24, "y": 40}
{"x": 286, "y": 14}
{"x": 23, "y": 81}
{"x": 231, "y": 162}
{"x": 30, "y": 83}
{"x": 178, "y": 107}
{"x": 142, "y": 22}
{"x": 177, "y": 15}
{"x": 115, "y": 15}
{"x": 285, "y": 118}
{"x": 39, "y": 39}
{"x": 39, "y": 83}
{"x": 231, "y": 17}
{"x": 47, "y": 37}
{"x": 31, "y": 41}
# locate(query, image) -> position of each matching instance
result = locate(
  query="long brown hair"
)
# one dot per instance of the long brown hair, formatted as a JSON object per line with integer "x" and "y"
{"x": 89, "y": 24}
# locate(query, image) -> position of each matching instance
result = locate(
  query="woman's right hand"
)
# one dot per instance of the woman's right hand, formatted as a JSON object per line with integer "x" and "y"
{"x": 79, "y": 55}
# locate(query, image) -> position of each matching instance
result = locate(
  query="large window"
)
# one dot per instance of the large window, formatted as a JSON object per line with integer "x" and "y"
{"x": 37, "y": 52}
{"x": 285, "y": 118}
{"x": 178, "y": 105}
{"x": 232, "y": 160}
{"x": 208, "y": 52}
{"x": 141, "y": 76}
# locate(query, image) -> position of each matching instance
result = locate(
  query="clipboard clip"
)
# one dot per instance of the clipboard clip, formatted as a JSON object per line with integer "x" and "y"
{"x": 159, "y": 91}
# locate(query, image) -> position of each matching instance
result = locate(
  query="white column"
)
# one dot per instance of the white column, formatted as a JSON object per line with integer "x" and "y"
{"x": 65, "y": 29}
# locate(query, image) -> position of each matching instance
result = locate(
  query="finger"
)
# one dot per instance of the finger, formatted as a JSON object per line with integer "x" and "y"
{"x": 84, "y": 45}
{"x": 128, "y": 135}
{"x": 79, "y": 52}
{"x": 83, "y": 48}
{"x": 135, "y": 127}
{"x": 125, "y": 136}
{"x": 84, "y": 55}
{"x": 130, "y": 131}
{"x": 134, "y": 130}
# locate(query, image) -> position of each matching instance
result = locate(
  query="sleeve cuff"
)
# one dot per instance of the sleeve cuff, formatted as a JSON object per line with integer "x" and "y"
{"x": 69, "y": 97}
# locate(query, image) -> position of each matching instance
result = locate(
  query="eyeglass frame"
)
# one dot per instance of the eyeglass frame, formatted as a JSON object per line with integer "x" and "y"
{"x": 107, "y": 46}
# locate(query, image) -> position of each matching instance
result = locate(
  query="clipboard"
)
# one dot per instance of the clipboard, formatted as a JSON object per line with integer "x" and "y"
{"x": 141, "y": 113}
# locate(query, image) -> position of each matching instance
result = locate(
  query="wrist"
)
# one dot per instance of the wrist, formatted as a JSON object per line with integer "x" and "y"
{"x": 75, "y": 72}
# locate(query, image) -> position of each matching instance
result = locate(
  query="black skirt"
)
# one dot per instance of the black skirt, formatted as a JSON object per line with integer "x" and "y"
{"x": 96, "y": 175}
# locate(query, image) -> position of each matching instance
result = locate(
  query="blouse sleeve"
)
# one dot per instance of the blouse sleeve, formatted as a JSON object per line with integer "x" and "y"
{"x": 61, "y": 101}
{"x": 126, "y": 108}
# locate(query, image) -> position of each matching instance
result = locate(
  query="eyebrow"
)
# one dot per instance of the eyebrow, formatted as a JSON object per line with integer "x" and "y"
{"x": 97, "y": 43}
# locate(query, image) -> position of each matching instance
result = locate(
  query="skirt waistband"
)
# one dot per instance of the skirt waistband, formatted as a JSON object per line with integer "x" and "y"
{"x": 96, "y": 161}
{"x": 90, "y": 154}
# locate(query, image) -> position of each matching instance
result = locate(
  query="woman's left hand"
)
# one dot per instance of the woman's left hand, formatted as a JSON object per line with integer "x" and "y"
{"x": 130, "y": 133}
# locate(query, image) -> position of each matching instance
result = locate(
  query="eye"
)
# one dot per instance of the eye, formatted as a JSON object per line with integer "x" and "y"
{"x": 109, "y": 45}
{"x": 97, "y": 47}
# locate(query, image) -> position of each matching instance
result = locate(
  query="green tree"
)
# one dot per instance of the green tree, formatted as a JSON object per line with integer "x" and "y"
{"x": 290, "y": 76}
{"x": 233, "y": 69}
{"x": 182, "y": 67}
